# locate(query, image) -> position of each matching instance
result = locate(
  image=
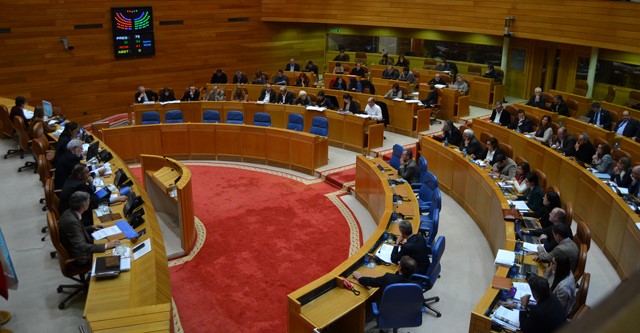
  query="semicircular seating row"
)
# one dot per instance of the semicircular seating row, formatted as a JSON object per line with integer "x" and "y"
{"x": 319, "y": 125}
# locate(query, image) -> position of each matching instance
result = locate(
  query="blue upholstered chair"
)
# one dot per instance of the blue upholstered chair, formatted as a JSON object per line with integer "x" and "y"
{"x": 396, "y": 154}
{"x": 320, "y": 126}
{"x": 400, "y": 306}
{"x": 150, "y": 118}
{"x": 426, "y": 192}
{"x": 433, "y": 273}
{"x": 173, "y": 117}
{"x": 211, "y": 116}
{"x": 262, "y": 119}
{"x": 296, "y": 122}
{"x": 422, "y": 168}
{"x": 235, "y": 117}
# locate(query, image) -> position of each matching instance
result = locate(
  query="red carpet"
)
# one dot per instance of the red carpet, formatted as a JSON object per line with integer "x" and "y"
{"x": 338, "y": 179}
{"x": 387, "y": 155}
{"x": 266, "y": 237}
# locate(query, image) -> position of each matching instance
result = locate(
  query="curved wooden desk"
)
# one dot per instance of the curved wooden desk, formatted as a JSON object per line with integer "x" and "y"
{"x": 168, "y": 184}
{"x": 323, "y": 303}
{"x": 272, "y": 146}
{"x": 140, "y": 299}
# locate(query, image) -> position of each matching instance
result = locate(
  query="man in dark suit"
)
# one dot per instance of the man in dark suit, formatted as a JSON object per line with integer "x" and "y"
{"x": 359, "y": 70}
{"x": 219, "y": 77}
{"x": 471, "y": 143}
{"x": 145, "y": 95}
{"x": 284, "y": 97}
{"x": 192, "y": 94}
{"x": 547, "y": 315}
{"x": 537, "y": 100}
{"x": 267, "y": 95}
{"x": 17, "y": 111}
{"x": 74, "y": 236}
{"x": 451, "y": 133}
{"x": 292, "y": 66}
{"x": 626, "y": 126}
{"x": 522, "y": 123}
{"x": 584, "y": 149}
{"x": 66, "y": 162}
{"x": 280, "y": 78}
{"x": 559, "y": 106}
{"x": 565, "y": 142}
{"x": 599, "y": 116}
{"x": 342, "y": 56}
{"x": 500, "y": 116}
{"x": 412, "y": 245}
{"x": 408, "y": 167}
{"x": 437, "y": 79}
{"x": 407, "y": 268}
{"x": 635, "y": 181}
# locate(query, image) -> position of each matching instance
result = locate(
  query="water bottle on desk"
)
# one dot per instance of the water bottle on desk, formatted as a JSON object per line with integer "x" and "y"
{"x": 616, "y": 146}
{"x": 446, "y": 142}
{"x": 464, "y": 152}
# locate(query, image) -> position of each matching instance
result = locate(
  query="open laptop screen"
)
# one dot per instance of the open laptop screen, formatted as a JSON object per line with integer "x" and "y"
{"x": 48, "y": 108}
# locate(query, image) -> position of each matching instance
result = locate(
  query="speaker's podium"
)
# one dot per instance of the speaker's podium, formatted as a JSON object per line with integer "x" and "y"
{"x": 168, "y": 184}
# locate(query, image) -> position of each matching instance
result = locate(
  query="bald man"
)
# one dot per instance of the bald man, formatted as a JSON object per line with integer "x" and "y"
{"x": 537, "y": 100}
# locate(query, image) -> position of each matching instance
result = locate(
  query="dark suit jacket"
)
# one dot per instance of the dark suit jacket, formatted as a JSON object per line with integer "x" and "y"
{"x": 219, "y": 79}
{"x": 539, "y": 104}
{"x": 326, "y": 103}
{"x": 454, "y": 137}
{"x": 486, "y": 151}
{"x": 585, "y": 153}
{"x": 345, "y": 57}
{"x": 410, "y": 172}
{"x": 359, "y": 72}
{"x": 187, "y": 96}
{"x": 64, "y": 165}
{"x": 431, "y": 99}
{"x": 272, "y": 95}
{"x": 544, "y": 317}
{"x": 605, "y": 118}
{"x": 72, "y": 185}
{"x": 165, "y": 98}
{"x": 561, "y": 108}
{"x": 383, "y": 281}
{"x": 284, "y": 80}
{"x": 630, "y": 130}
{"x": 473, "y": 148}
{"x": 17, "y": 111}
{"x": 505, "y": 117}
{"x": 285, "y": 99}
{"x": 416, "y": 248}
{"x": 568, "y": 145}
{"x": 76, "y": 238}
{"x": 151, "y": 96}
{"x": 525, "y": 127}
{"x": 634, "y": 187}
{"x": 296, "y": 67}
{"x": 534, "y": 198}
{"x": 623, "y": 181}
{"x": 242, "y": 79}
{"x": 353, "y": 107}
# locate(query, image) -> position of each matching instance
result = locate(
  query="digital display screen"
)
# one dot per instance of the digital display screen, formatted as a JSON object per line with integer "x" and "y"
{"x": 132, "y": 32}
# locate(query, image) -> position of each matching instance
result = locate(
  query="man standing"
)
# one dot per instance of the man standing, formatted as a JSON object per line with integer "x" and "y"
{"x": 408, "y": 167}
{"x": 74, "y": 236}
{"x": 412, "y": 245}
{"x": 599, "y": 116}
{"x": 373, "y": 110}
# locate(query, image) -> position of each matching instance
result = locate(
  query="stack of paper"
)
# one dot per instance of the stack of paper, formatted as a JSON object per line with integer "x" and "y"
{"x": 507, "y": 318}
{"x": 106, "y": 232}
{"x": 530, "y": 247}
{"x": 520, "y": 205}
{"x": 316, "y": 108}
{"x": 384, "y": 253}
{"x": 505, "y": 258}
{"x": 522, "y": 288}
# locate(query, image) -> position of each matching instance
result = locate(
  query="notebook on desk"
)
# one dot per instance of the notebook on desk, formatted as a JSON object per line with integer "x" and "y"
{"x": 108, "y": 266}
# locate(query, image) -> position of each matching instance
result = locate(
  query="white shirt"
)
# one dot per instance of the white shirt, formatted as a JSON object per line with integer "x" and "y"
{"x": 267, "y": 94}
{"x": 497, "y": 118}
{"x": 374, "y": 111}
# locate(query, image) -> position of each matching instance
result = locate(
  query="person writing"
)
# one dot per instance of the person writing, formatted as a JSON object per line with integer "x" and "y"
{"x": 547, "y": 315}
{"x": 395, "y": 92}
{"x": 535, "y": 195}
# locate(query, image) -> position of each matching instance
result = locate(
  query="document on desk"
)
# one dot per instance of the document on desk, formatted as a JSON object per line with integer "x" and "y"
{"x": 522, "y": 288}
{"x": 604, "y": 176}
{"x": 362, "y": 115}
{"x": 530, "y": 247}
{"x": 398, "y": 99}
{"x": 520, "y": 205}
{"x": 384, "y": 253}
{"x": 505, "y": 258}
{"x": 507, "y": 318}
{"x": 412, "y": 101}
{"x": 106, "y": 232}
{"x": 315, "y": 108}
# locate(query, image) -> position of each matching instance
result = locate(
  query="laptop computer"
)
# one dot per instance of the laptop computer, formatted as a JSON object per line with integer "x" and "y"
{"x": 103, "y": 195}
{"x": 48, "y": 108}
{"x": 525, "y": 237}
{"x": 530, "y": 223}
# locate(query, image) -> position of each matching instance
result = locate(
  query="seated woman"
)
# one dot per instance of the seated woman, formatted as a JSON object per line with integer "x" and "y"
{"x": 621, "y": 174}
{"x": 324, "y": 102}
{"x": 544, "y": 132}
{"x": 166, "y": 95}
{"x": 303, "y": 80}
{"x": 385, "y": 60}
{"x": 395, "y": 92}
{"x": 519, "y": 182}
{"x": 354, "y": 85}
{"x": 493, "y": 149}
{"x": 561, "y": 281}
{"x": 38, "y": 117}
{"x": 302, "y": 99}
{"x": 338, "y": 69}
{"x": 259, "y": 78}
{"x": 402, "y": 62}
{"x": 602, "y": 160}
{"x": 239, "y": 94}
{"x": 349, "y": 104}
{"x": 460, "y": 84}
{"x": 535, "y": 194}
{"x": 339, "y": 84}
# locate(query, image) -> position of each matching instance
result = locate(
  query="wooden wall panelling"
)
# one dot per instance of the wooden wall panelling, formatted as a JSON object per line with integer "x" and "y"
{"x": 175, "y": 137}
{"x": 121, "y": 137}
{"x": 279, "y": 148}
{"x": 229, "y": 142}
{"x": 147, "y": 139}
{"x": 202, "y": 139}
{"x": 254, "y": 143}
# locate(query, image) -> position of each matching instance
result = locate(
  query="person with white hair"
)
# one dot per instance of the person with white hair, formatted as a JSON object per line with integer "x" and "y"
{"x": 303, "y": 99}
{"x": 471, "y": 143}
{"x": 66, "y": 162}
{"x": 537, "y": 100}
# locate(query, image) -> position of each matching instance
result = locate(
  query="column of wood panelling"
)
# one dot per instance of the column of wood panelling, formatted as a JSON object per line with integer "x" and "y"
{"x": 89, "y": 80}
{"x": 605, "y": 24}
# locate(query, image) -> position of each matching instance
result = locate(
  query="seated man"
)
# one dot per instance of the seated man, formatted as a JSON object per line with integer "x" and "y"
{"x": 385, "y": 60}
{"x": 341, "y": 56}
{"x": 216, "y": 94}
{"x": 406, "y": 269}
{"x": 311, "y": 67}
{"x": 74, "y": 236}
{"x": 504, "y": 167}
{"x": 239, "y": 94}
{"x": 522, "y": 123}
{"x": 450, "y": 133}
{"x": 492, "y": 74}
{"x": 408, "y": 167}
{"x": 18, "y": 111}
{"x": 412, "y": 245}
{"x": 240, "y": 78}
{"x": 627, "y": 126}
{"x": 599, "y": 116}
{"x": 437, "y": 80}
{"x": 191, "y": 95}
{"x": 166, "y": 95}
{"x": 390, "y": 73}
{"x": 395, "y": 92}
{"x": 359, "y": 70}
{"x": 566, "y": 245}
{"x": 407, "y": 75}
{"x": 584, "y": 149}
{"x": 281, "y": 79}
{"x": 634, "y": 186}
{"x": 432, "y": 98}
{"x": 219, "y": 77}
{"x": 80, "y": 180}
{"x": 548, "y": 242}
{"x": 373, "y": 110}
{"x": 285, "y": 97}
{"x": 145, "y": 95}
{"x": 537, "y": 100}
{"x": 559, "y": 106}
{"x": 500, "y": 116}
{"x": 324, "y": 102}
{"x": 443, "y": 66}
{"x": 470, "y": 143}
{"x": 66, "y": 162}
{"x": 267, "y": 95}
{"x": 564, "y": 143}
{"x": 292, "y": 66}
{"x": 547, "y": 315}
